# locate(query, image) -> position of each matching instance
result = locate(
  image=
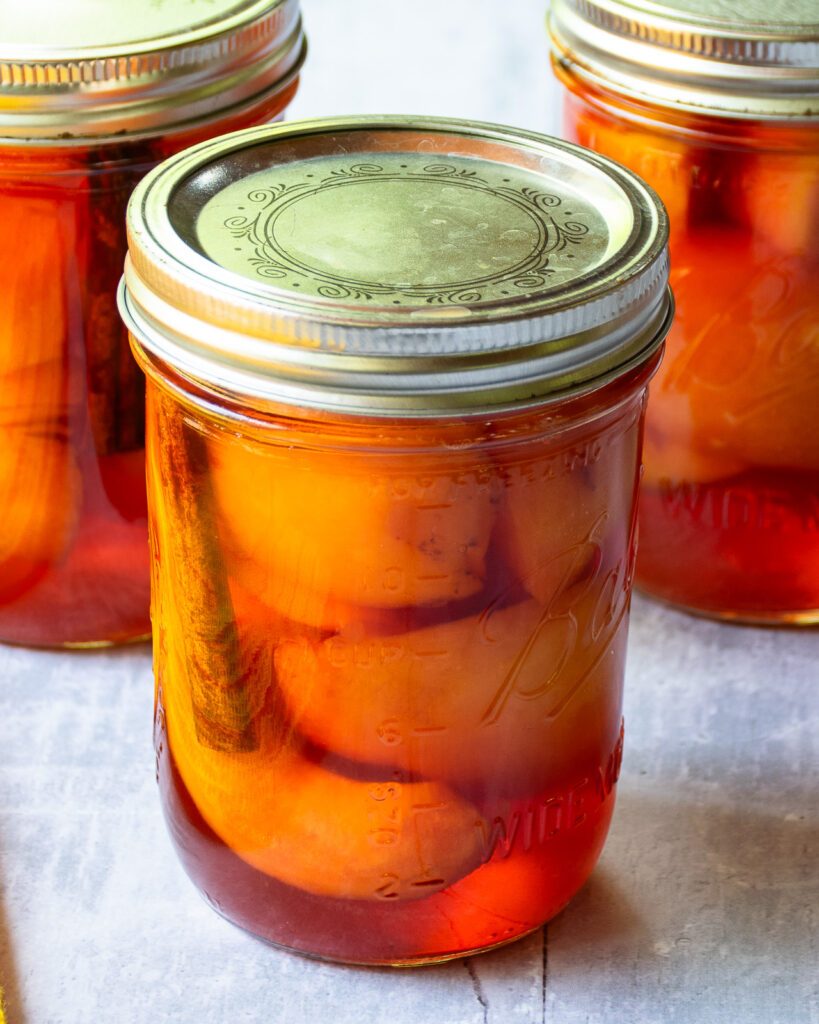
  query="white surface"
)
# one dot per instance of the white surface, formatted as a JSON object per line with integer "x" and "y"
{"x": 700, "y": 910}
{"x": 704, "y": 906}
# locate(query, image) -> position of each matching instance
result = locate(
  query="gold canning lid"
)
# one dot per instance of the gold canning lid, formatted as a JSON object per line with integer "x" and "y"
{"x": 396, "y": 266}
{"x": 738, "y": 58}
{"x": 98, "y": 68}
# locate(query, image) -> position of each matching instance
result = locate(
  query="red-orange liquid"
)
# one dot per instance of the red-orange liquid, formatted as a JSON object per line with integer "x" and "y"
{"x": 536, "y": 853}
{"x": 73, "y": 561}
{"x": 97, "y": 589}
{"x": 389, "y": 663}
{"x": 74, "y": 565}
{"x": 759, "y": 530}
{"x": 728, "y": 509}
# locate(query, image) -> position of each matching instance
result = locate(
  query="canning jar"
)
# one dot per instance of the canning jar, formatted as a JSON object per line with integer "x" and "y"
{"x": 90, "y": 100}
{"x": 716, "y": 105}
{"x": 396, "y": 374}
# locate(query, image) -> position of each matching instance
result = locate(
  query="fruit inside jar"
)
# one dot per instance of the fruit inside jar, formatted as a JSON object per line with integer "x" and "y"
{"x": 72, "y": 558}
{"x": 74, "y": 563}
{"x": 381, "y": 774}
{"x": 729, "y": 509}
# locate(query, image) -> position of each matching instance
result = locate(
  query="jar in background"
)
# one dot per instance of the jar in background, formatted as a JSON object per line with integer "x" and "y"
{"x": 716, "y": 105}
{"x": 90, "y": 100}
{"x": 397, "y": 370}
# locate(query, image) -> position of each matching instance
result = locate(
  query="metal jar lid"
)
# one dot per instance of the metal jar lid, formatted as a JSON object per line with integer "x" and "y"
{"x": 97, "y": 68}
{"x": 396, "y": 266}
{"x": 741, "y": 58}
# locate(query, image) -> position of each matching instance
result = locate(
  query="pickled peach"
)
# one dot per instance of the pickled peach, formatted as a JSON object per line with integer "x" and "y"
{"x": 670, "y": 452}
{"x": 558, "y": 510}
{"x": 744, "y": 251}
{"x": 32, "y": 302}
{"x": 514, "y": 892}
{"x": 317, "y": 830}
{"x": 307, "y": 530}
{"x": 40, "y": 486}
{"x": 39, "y": 482}
{"x": 662, "y": 160}
{"x": 679, "y": 460}
{"x": 508, "y": 699}
{"x": 750, "y": 392}
{"x": 728, "y": 510}
{"x": 122, "y": 475}
{"x": 779, "y": 202}
{"x": 83, "y": 570}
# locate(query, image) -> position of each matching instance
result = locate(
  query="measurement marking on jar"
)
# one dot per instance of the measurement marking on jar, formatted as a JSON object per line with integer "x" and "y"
{"x": 384, "y": 791}
{"x": 422, "y": 730}
{"x": 388, "y": 890}
{"x": 557, "y": 465}
{"x": 384, "y": 836}
{"x": 386, "y": 815}
{"x": 389, "y": 732}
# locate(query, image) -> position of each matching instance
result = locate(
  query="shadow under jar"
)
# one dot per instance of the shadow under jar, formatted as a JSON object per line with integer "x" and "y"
{"x": 396, "y": 377}
{"x": 88, "y": 104}
{"x": 717, "y": 107}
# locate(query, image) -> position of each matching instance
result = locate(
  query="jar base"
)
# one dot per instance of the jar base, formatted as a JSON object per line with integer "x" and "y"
{"x": 79, "y": 645}
{"x": 99, "y": 645}
{"x": 98, "y": 597}
{"x": 429, "y": 960}
{"x": 800, "y": 619}
{"x": 513, "y": 897}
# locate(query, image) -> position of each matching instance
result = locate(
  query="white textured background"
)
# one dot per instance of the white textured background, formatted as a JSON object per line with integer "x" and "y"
{"x": 481, "y": 59}
{"x": 704, "y": 907}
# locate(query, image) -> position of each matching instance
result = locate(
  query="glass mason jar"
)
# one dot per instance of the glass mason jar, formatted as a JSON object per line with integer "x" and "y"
{"x": 396, "y": 375}
{"x": 717, "y": 107}
{"x": 87, "y": 106}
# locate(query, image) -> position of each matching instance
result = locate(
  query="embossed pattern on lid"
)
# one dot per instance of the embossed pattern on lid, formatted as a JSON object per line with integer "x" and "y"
{"x": 791, "y": 16}
{"x": 398, "y": 230}
{"x": 744, "y": 58}
{"x": 396, "y": 264}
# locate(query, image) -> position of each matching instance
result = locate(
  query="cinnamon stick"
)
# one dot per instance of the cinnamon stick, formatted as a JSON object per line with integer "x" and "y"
{"x": 116, "y": 388}
{"x": 218, "y": 673}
